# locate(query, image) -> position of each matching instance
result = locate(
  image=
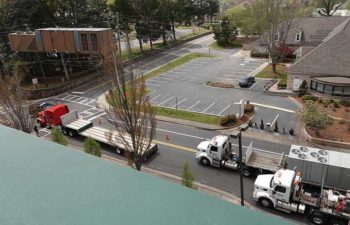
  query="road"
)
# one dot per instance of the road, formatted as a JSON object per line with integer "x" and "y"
{"x": 182, "y": 140}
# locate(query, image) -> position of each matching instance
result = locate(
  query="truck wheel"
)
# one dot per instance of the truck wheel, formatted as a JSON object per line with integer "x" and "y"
{"x": 64, "y": 131}
{"x": 205, "y": 161}
{"x": 337, "y": 222}
{"x": 318, "y": 219}
{"x": 70, "y": 133}
{"x": 247, "y": 172}
{"x": 59, "y": 127}
{"x": 119, "y": 151}
{"x": 265, "y": 202}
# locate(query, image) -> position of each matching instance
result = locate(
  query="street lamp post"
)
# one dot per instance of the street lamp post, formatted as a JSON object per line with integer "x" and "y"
{"x": 237, "y": 134}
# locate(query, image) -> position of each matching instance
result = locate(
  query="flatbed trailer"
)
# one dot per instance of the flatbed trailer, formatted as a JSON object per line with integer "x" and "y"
{"x": 264, "y": 160}
{"x": 73, "y": 125}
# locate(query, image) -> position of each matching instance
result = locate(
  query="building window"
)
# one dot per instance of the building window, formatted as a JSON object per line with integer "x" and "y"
{"x": 84, "y": 42}
{"x": 298, "y": 36}
{"x": 313, "y": 85}
{"x": 328, "y": 89}
{"x": 320, "y": 87}
{"x": 338, "y": 90}
{"x": 93, "y": 38}
{"x": 346, "y": 91}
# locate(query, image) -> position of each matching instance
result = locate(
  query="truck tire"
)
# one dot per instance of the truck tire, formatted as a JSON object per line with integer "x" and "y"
{"x": 205, "y": 161}
{"x": 265, "y": 202}
{"x": 119, "y": 151}
{"x": 318, "y": 219}
{"x": 337, "y": 222}
{"x": 71, "y": 133}
{"x": 64, "y": 131}
{"x": 247, "y": 172}
{"x": 60, "y": 127}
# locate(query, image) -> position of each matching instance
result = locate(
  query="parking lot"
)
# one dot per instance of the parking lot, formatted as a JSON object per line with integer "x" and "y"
{"x": 185, "y": 88}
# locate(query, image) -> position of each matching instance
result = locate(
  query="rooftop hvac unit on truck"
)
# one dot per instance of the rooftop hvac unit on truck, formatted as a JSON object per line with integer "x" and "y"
{"x": 316, "y": 179}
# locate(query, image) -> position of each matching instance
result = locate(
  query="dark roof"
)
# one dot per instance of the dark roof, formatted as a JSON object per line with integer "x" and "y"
{"x": 45, "y": 183}
{"x": 332, "y": 57}
{"x": 314, "y": 29}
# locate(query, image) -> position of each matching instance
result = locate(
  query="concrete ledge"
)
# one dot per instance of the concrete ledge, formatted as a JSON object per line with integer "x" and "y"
{"x": 337, "y": 144}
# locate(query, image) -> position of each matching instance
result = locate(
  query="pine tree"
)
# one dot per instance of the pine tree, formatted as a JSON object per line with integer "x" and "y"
{"x": 187, "y": 177}
{"x": 92, "y": 147}
{"x": 58, "y": 137}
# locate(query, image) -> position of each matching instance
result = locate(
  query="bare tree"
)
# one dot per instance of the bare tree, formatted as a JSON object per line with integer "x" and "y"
{"x": 129, "y": 103}
{"x": 14, "y": 110}
{"x": 328, "y": 7}
{"x": 274, "y": 19}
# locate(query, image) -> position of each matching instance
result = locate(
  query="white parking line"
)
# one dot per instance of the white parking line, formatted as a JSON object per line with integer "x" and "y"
{"x": 165, "y": 101}
{"x": 155, "y": 98}
{"x": 224, "y": 110}
{"x": 242, "y": 64}
{"x": 150, "y": 92}
{"x": 208, "y": 107}
{"x": 180, "y": 102}
{"x": 254, "y": 84}
{"x": 193, "y": 105}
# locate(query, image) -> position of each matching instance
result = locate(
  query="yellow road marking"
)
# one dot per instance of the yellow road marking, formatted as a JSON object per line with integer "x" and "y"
{"x": 175, "y": 146}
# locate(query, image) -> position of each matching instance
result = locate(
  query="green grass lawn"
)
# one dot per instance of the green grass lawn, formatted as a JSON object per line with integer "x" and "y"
{"x": 180, "y": 114}
{"x": 173, "y": 64}
{"x": 231, "y": 45}
{"x": 281, "y": 74}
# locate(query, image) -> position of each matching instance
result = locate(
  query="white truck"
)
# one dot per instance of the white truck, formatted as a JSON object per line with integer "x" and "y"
{"x": 72, "y": 125}
{"x": 315, "y": 182}
{"x": 218, "y": 152}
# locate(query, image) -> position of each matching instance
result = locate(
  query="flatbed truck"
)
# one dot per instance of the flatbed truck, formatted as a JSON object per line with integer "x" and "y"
{"x": 73, "y": 125}
{"x": 315, "y": 182}
{"x": 218, "y": 152}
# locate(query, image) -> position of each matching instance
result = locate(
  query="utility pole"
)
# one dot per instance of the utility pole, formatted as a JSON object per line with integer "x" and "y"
{"x": 118, "y": 32}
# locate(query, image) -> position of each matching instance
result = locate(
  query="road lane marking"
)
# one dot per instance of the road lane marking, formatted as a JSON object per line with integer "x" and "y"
{"x": 208, "y": 107}
{"x": 159, "y": 81}
{"x": 224, "y": 110}
{"x": 150, "y": 84}
{"x": 99, "y": 115}
{"x": 273, "y": 107}
{"x": 165, "y": 101}
{"x": 175, "y": 146}
{"x": 193, "y": 105}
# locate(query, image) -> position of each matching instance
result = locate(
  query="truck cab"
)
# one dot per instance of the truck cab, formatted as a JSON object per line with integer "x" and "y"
{"x": 270, "y": 188}
{"x": 211, "y": 152}
{"x": 52, "y": 116}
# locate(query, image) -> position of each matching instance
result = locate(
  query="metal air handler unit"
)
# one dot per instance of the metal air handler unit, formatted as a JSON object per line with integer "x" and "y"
{"x": 317, "y": 165}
